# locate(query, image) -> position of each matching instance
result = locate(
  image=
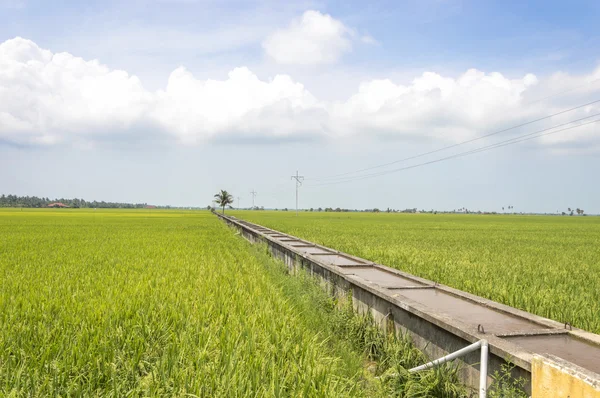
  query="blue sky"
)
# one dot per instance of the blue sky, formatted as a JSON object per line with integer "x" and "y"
{"x": 166, "y": 101}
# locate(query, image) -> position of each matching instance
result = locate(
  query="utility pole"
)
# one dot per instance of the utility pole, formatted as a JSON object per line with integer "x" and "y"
{"x": 299, "y": 180}
{"x": 253, "y": 195}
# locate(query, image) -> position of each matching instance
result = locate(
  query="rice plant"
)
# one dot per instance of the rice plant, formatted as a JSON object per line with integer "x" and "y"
{"x": 170, "y": 303}
{"x": 547, "y": 265}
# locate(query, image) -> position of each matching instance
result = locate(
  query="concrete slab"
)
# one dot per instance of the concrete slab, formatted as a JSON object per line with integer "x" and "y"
{"x": 468, "y": 312}
{"x": 337, "y": 259}
{"x": 381, "y": 277}
{"x": 564, "y": 346}
{"x": 311, "y": 249}
{"x": 317, "y": 250}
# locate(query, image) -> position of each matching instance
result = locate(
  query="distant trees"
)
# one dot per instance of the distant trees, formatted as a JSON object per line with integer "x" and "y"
{"x": 37, "y": 202}
{"x": 572, "y": 212}
{"x": 580, "y": 212}
{"x": 223, "y": 199}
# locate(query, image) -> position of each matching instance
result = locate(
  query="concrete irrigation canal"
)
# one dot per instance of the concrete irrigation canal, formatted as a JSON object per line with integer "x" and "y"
{"x": 555, "y": 359}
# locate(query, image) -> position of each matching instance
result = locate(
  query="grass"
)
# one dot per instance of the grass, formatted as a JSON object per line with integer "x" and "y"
{"x": 171, "y": 303}
{"x": 549, "y": 265}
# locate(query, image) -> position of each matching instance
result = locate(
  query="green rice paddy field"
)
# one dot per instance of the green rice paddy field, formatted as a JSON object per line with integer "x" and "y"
{"x": 171, "y": 303}
{"x": 547, "y": 265}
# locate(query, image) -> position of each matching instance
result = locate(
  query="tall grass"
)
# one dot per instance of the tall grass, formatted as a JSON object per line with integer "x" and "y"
{"x": 386, "y": 357}
{"x": 163, "y": 305}
{"x": 166, "y": 303}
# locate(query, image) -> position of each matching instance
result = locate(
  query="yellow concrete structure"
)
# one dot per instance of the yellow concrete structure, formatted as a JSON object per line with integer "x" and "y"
{"x": 553, "y": 377}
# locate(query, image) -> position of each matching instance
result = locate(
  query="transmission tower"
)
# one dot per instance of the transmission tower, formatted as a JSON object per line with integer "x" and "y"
{"x": 299, "y": 180}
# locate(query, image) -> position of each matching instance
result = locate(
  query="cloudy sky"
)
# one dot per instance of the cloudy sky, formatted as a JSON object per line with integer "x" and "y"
{"x": 382, "y": 104}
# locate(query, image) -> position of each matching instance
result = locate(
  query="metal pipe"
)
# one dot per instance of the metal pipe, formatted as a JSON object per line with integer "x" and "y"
{"x": 449, "y": 357}
{"x": 483, "y": 363}
{"x": 483, "y": 369}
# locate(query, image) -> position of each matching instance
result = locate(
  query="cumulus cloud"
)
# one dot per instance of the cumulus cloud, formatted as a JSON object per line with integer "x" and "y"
{"x": 313, "y": 39}
{"x": 241, "y": 105}
{"x": 50, "y": 98}
{"x": 432, "y": 105}
{"x": 471, "y": 105}
{"x": 47, "y": 98}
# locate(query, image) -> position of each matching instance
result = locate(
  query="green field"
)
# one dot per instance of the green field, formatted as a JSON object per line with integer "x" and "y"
{"x": 168, "y": 303}
{"x": 548, "y": 265}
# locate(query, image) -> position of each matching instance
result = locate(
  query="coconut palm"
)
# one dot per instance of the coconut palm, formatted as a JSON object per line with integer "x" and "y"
{"x": 223, "y": 199}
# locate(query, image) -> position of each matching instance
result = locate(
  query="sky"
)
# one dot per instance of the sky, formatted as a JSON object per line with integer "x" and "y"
{"x": 433, "y": 104}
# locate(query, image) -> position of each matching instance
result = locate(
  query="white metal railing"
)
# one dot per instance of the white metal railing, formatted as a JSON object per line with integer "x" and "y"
{"x": 483, "y": 364}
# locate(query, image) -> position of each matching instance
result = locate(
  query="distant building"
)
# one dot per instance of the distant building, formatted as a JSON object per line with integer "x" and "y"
{"x": 57, "y": 204}
{"x": 150, "y": 207}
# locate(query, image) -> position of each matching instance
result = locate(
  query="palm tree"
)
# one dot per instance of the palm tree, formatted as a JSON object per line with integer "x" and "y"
{"x": 223, "y": 199}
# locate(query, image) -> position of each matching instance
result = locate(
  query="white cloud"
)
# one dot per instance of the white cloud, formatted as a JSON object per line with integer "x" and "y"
{"x": 431, "y": 106}
{"x": 313, "y": 39}
{"x": 48, "y": 98}
{"x": 195, "y": 110}
{"x": 45, "y": 97}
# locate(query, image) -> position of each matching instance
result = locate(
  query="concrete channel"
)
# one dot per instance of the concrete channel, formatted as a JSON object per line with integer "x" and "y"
{"x": 441, "y": 319}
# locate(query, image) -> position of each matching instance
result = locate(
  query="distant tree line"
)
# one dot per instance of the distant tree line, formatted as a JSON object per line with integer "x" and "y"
{"x": 34, "y": 201}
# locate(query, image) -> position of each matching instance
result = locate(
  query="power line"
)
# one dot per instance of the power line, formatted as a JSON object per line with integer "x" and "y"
{"x": 476, "y": 150}
{"x": 521, "y": 139}
{"x": 510, "y": 139}
{"x": 570, "y": 46}
{"x": 455, "y": 145}
{"x": 563, "y": 92}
